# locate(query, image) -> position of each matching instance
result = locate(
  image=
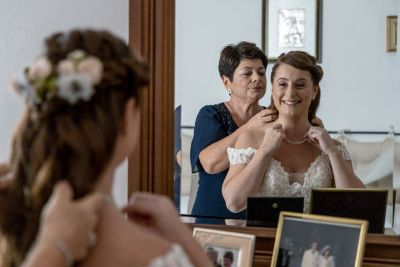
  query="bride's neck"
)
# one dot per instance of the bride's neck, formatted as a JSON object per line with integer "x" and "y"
{"x": 295, "y": 129}
{"x": 105, "y": 181}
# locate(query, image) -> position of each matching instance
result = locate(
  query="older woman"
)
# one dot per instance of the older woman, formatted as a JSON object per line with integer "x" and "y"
{"x": 291, "y": 156}
{"x": 242, "y": 69}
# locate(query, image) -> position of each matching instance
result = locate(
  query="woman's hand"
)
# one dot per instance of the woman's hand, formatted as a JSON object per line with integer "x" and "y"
{"x": 71, "y": 222}
{"x": 320, "y": 138}
{"x": 156, "y": 212}
{"x": 262, "y": 118}
{"x": 273, "y": 137}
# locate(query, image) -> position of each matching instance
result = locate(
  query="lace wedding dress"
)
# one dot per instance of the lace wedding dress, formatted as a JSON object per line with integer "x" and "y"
{"x": 276, "y": 181}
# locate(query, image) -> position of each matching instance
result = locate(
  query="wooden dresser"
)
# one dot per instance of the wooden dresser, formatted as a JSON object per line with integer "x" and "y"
{"x": 380, "y": 250}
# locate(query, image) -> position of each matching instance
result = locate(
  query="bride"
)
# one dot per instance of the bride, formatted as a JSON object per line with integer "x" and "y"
{"x": 80, "y": 123}
{"x": 290, "y": 156}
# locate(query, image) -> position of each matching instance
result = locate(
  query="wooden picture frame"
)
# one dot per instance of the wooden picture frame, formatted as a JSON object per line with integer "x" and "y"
{"x": 291, "y": 25}
{"x": 218, "y": 244}
{"x": 302, "y": 238}
{"x": 391, "y": 33}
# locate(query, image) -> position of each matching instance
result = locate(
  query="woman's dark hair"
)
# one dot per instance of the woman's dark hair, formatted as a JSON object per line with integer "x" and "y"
{"x": 302, "y": 61}
{"x": 231, "y": 56}
{"x": 229, "y": 255}
{"x": 64, "y": 141}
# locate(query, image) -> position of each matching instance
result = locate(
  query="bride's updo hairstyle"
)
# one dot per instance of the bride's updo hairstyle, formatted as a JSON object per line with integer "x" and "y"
{"x": 302, "y": 61}
{"x": 76, "y": 94}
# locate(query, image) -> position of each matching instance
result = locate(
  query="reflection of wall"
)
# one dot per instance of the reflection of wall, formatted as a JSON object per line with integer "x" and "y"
{"x": 360, "y": 76}
{"x": 24, "y": 25}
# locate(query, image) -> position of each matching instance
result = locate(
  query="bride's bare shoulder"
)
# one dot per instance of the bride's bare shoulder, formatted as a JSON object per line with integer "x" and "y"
{"x": 121, "y": 242}
{"x": 249, "y": 138}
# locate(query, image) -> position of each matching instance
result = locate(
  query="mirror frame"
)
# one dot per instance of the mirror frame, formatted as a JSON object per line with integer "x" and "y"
{"x": 151, "y": 37}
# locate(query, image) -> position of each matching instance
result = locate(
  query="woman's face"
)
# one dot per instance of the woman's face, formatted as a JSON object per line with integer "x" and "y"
{"x": 327, "y": 253}
{"x": 293, "y": 91}
{"x": 249, "y": 80}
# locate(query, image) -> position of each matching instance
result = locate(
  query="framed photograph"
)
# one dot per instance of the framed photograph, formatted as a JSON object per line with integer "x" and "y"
{"x": 226, "y": 248}
{"x": 316, "y": 240}
{"x": 291, "y": 25}
{"x": 391, "y": 33}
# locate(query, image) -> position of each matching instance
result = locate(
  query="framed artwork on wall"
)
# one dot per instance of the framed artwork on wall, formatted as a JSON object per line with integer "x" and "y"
{"x": 226, "y": 248}
{"x": 391, "y": 33}
{"x": 291, "y": 25}
{"x": 316, "y": 240}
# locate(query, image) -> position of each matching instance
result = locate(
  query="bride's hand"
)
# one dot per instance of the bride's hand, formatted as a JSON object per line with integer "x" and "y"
{"x": 320, "y": 138}
{"x": 273, "y": 137}
{"x": 157, "y": 212}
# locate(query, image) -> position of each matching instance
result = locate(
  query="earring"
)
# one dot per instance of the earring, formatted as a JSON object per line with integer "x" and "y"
{"x": 229, "y": 91}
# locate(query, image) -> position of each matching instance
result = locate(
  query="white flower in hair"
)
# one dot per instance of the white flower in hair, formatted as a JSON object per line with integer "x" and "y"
{"x": 75, "y": 87}
{"x": 73, "y": 79}
{"x": 26, "y": 91}
{"x": 76, "y": 55}
{"x": 39, "y": 70}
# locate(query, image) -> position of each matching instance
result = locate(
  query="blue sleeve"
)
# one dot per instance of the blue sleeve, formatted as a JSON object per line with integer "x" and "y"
{"x": 208, "y": 129}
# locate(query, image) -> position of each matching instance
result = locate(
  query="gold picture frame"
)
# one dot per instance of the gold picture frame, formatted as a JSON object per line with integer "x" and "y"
{"x": 391, "y": 33}
{"x": 302, "y": 238}
{"x": 220, "y": 244}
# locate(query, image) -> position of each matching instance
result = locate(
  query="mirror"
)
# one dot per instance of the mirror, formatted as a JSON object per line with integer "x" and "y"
{"x": 359, "y": 90}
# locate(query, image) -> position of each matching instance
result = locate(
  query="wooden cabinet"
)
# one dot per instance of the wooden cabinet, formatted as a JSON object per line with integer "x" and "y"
{"x": 380, "y": 250}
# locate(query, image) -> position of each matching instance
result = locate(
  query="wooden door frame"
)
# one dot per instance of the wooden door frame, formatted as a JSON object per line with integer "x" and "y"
{"x": 151, "y": 37}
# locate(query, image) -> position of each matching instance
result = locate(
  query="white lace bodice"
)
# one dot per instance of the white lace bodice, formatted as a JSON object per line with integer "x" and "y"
{"x": 176, "y": 257}
{"x": 276, "y": 181}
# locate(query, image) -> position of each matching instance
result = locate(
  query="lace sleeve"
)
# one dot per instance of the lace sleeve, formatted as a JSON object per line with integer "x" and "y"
{"x": 176, "y": 257}
{"x": 240, "y": 155}
{"x": 344, "y": 152}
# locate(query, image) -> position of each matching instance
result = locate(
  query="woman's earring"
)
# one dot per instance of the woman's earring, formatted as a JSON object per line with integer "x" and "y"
{"x": 229, "y": 91}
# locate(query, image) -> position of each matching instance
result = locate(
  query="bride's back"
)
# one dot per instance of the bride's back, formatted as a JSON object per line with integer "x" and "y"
{"x": 123, "y": 243}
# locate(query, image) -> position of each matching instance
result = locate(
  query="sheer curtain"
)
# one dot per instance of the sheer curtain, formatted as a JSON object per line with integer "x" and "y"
{"x": 377, "y": 164}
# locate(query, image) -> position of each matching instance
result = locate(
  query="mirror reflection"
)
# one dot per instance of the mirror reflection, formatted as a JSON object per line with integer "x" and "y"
{"x": 358, "y": 89}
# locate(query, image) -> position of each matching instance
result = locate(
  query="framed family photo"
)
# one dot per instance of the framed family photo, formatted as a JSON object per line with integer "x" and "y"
{"x": 226, "y": 248}
{"x": 292, "y": 25}
{"x": 315, "y": 240}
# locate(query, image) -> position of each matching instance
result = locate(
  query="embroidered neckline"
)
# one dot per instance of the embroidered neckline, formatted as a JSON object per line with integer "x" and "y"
{"x": 306, "y": 176}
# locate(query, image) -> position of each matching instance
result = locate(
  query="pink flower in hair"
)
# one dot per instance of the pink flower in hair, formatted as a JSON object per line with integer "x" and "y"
{"x": 92, "y": 67}
{"x": 65, "y": 67}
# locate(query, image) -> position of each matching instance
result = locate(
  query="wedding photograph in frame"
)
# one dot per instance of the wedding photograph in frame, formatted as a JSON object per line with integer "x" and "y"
{"x": 391, "y": 33}
{"x": 316, "y": 240}
{"x": 235, "y": 249}
{"x": 291, "y": 25}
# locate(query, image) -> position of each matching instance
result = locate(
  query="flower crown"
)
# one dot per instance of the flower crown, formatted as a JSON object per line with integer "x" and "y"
{"x": 73, "y": 79}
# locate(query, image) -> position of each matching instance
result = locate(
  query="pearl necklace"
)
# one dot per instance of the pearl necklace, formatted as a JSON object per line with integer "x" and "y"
{"x": 295, "y": 142}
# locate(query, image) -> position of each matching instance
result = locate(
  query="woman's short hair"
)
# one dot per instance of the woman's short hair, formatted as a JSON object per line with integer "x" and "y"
{"x": 302, "y": 61}
{"x": 231, "y": 56}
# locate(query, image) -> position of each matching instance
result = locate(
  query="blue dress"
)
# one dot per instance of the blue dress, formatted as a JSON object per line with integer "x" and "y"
{"x": 213, "y": 123}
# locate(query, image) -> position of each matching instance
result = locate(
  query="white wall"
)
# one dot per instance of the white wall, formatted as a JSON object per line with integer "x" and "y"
{"x": 24, "y": 24}
{"x": 360, "y": 89}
